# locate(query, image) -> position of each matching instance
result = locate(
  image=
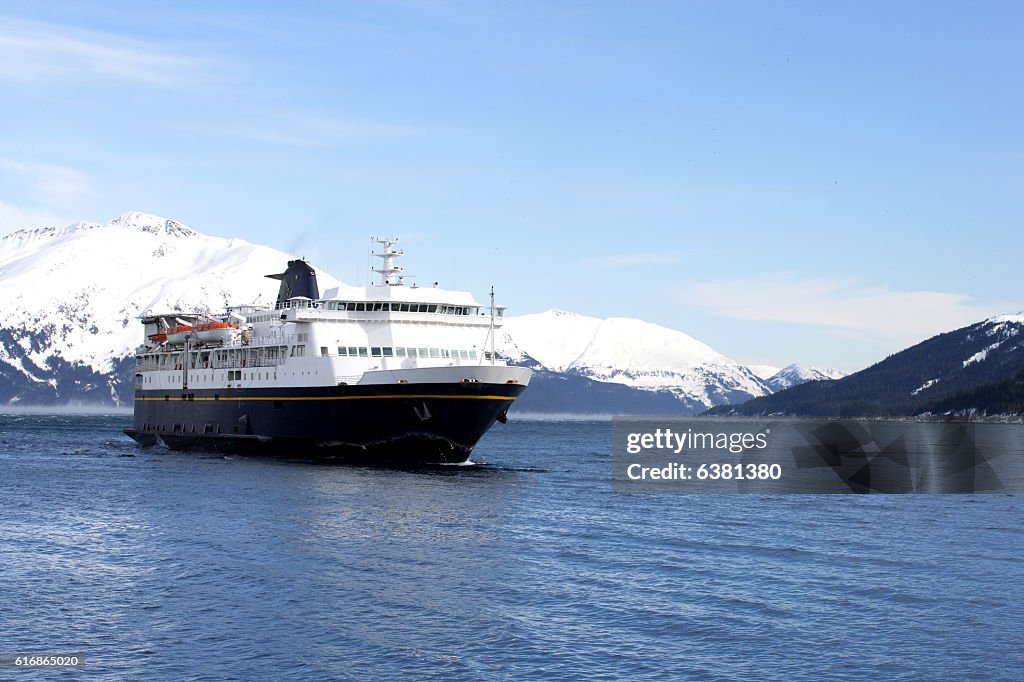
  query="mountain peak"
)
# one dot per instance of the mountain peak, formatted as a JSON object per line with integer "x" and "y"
{"x": 794, "y": 375}
{"x": 146, "y": 222}
{"x": 1000, "y": 319}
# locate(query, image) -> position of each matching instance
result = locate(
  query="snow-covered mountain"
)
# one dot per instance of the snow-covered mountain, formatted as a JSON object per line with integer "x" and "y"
{"x": 975, "y": 370}
{"x": 629, "y": 352}
{"x": 794, "y": 375}
{"x": 71, "y": 297}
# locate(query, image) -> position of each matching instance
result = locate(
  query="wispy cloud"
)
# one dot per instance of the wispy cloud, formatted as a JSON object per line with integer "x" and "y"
{"x": 628, "y": 260}
{"x": 47, "y": 194}
{"x": 14, "y": 218}
{"x": 50, "y": 184}
{"x": 31, "y": 52}
{"x": 842, "y": 307}
{"x": 314, "y": 129}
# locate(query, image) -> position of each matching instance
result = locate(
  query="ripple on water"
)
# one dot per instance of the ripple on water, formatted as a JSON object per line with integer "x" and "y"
{"x": 155, "y": 564}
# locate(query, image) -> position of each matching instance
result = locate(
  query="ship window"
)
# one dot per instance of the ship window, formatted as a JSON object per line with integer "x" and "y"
{"x": 431, "y": 308}
{"x": 424, "y": 353}
{"x": 375, "y": 351}
{"x": 388, "y": 351}
{"x": 411, "y": 352}
{"x": 353, "y": 351}
{"x": 463, "y": 355}
{"x": 360, "y": 307}
{"x": 472, "y": 355}
{"x": 362, "y": 351}
{"x": 444, "y": 353}
{"x": 342, "y": 350}
{"x": 435, "y": 353}
{"x": 400, "y": 352}
{"x": 298, "y": 351}
{"x": 330, "y": 306}
{"x": 323, "y": 350}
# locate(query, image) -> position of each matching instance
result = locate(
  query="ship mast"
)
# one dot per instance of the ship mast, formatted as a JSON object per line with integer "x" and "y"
{"x": 491, "y": 332}
{"x": 388, "y": 270}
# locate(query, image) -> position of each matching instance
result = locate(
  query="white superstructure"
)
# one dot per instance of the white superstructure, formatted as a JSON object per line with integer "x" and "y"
{"x": 384, "y": 333}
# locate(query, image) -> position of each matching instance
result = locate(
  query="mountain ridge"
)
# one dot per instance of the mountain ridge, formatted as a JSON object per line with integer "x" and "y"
{"x": 76, "y": 292}
{"x": 917, "y": 380}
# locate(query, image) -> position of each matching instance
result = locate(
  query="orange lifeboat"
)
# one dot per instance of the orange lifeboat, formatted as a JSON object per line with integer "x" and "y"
{"x": 159, "y": 338}
{"x": 215, "y": 332}
{"x": 176, "y": 335}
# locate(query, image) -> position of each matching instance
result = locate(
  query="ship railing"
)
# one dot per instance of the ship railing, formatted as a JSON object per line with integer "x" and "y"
{"x": 314, "y": 315}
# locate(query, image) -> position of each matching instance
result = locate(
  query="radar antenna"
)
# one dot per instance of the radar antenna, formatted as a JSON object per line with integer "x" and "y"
{"x": 388, "y": 271}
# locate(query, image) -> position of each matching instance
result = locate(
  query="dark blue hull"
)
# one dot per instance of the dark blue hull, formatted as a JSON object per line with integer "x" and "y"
{"x": 394, "y": 423}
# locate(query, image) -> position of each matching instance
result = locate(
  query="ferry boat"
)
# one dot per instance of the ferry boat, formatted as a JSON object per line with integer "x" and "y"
{"x": 386, "y": 373}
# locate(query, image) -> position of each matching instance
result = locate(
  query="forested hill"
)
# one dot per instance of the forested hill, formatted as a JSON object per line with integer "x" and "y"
{"x": 979, "y": 368}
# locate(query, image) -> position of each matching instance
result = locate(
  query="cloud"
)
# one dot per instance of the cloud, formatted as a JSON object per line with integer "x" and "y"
{"x": 53, "y": 192}
{"x": 628, "y": 260}
{"x": 841, "y": 307}
{"x": 31, "y": 52}
{"x": 311, "y": 129}
{"x": 14, "y": 218}
{"x": 50, "y": 184}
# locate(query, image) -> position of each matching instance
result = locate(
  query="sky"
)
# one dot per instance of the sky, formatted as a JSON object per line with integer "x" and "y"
{"x": 815, "y": 182}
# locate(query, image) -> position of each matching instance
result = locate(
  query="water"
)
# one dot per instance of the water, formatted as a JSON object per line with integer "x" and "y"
{"x": 160, "y": 565}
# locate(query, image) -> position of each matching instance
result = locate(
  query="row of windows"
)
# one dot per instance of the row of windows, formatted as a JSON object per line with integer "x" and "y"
{"x": 210, "y": 377}
{"x": 377, "y": 306}
{"x": 387, "y": 306}
{"x": 401, "y": 352}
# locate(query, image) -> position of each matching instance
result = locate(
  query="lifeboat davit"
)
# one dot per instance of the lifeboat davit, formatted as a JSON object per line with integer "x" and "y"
{"x": 176, "y": 335}
{"x": 215, "y": 332}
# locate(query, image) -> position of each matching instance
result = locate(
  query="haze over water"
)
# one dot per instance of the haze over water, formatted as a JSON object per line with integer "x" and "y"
{"x": 170, "y": 565}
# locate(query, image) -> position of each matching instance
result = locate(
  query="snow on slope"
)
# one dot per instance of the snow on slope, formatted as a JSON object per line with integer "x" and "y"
{"x": 1001, "y": 327}
{"x": 794, "y": 375}
{"x": 628, "y": 351}
{"x": 82, "y": 287}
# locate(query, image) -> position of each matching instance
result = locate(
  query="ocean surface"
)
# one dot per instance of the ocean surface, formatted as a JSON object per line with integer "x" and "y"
{"x": 161, "y": 565}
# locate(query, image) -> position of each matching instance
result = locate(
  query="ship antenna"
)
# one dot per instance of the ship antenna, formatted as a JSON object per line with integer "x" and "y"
{"x": 490, "y": 333}
{"x": 388, "y": 270}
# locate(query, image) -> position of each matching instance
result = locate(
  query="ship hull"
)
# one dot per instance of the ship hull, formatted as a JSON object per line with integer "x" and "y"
{"x": 376, "y": 424}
